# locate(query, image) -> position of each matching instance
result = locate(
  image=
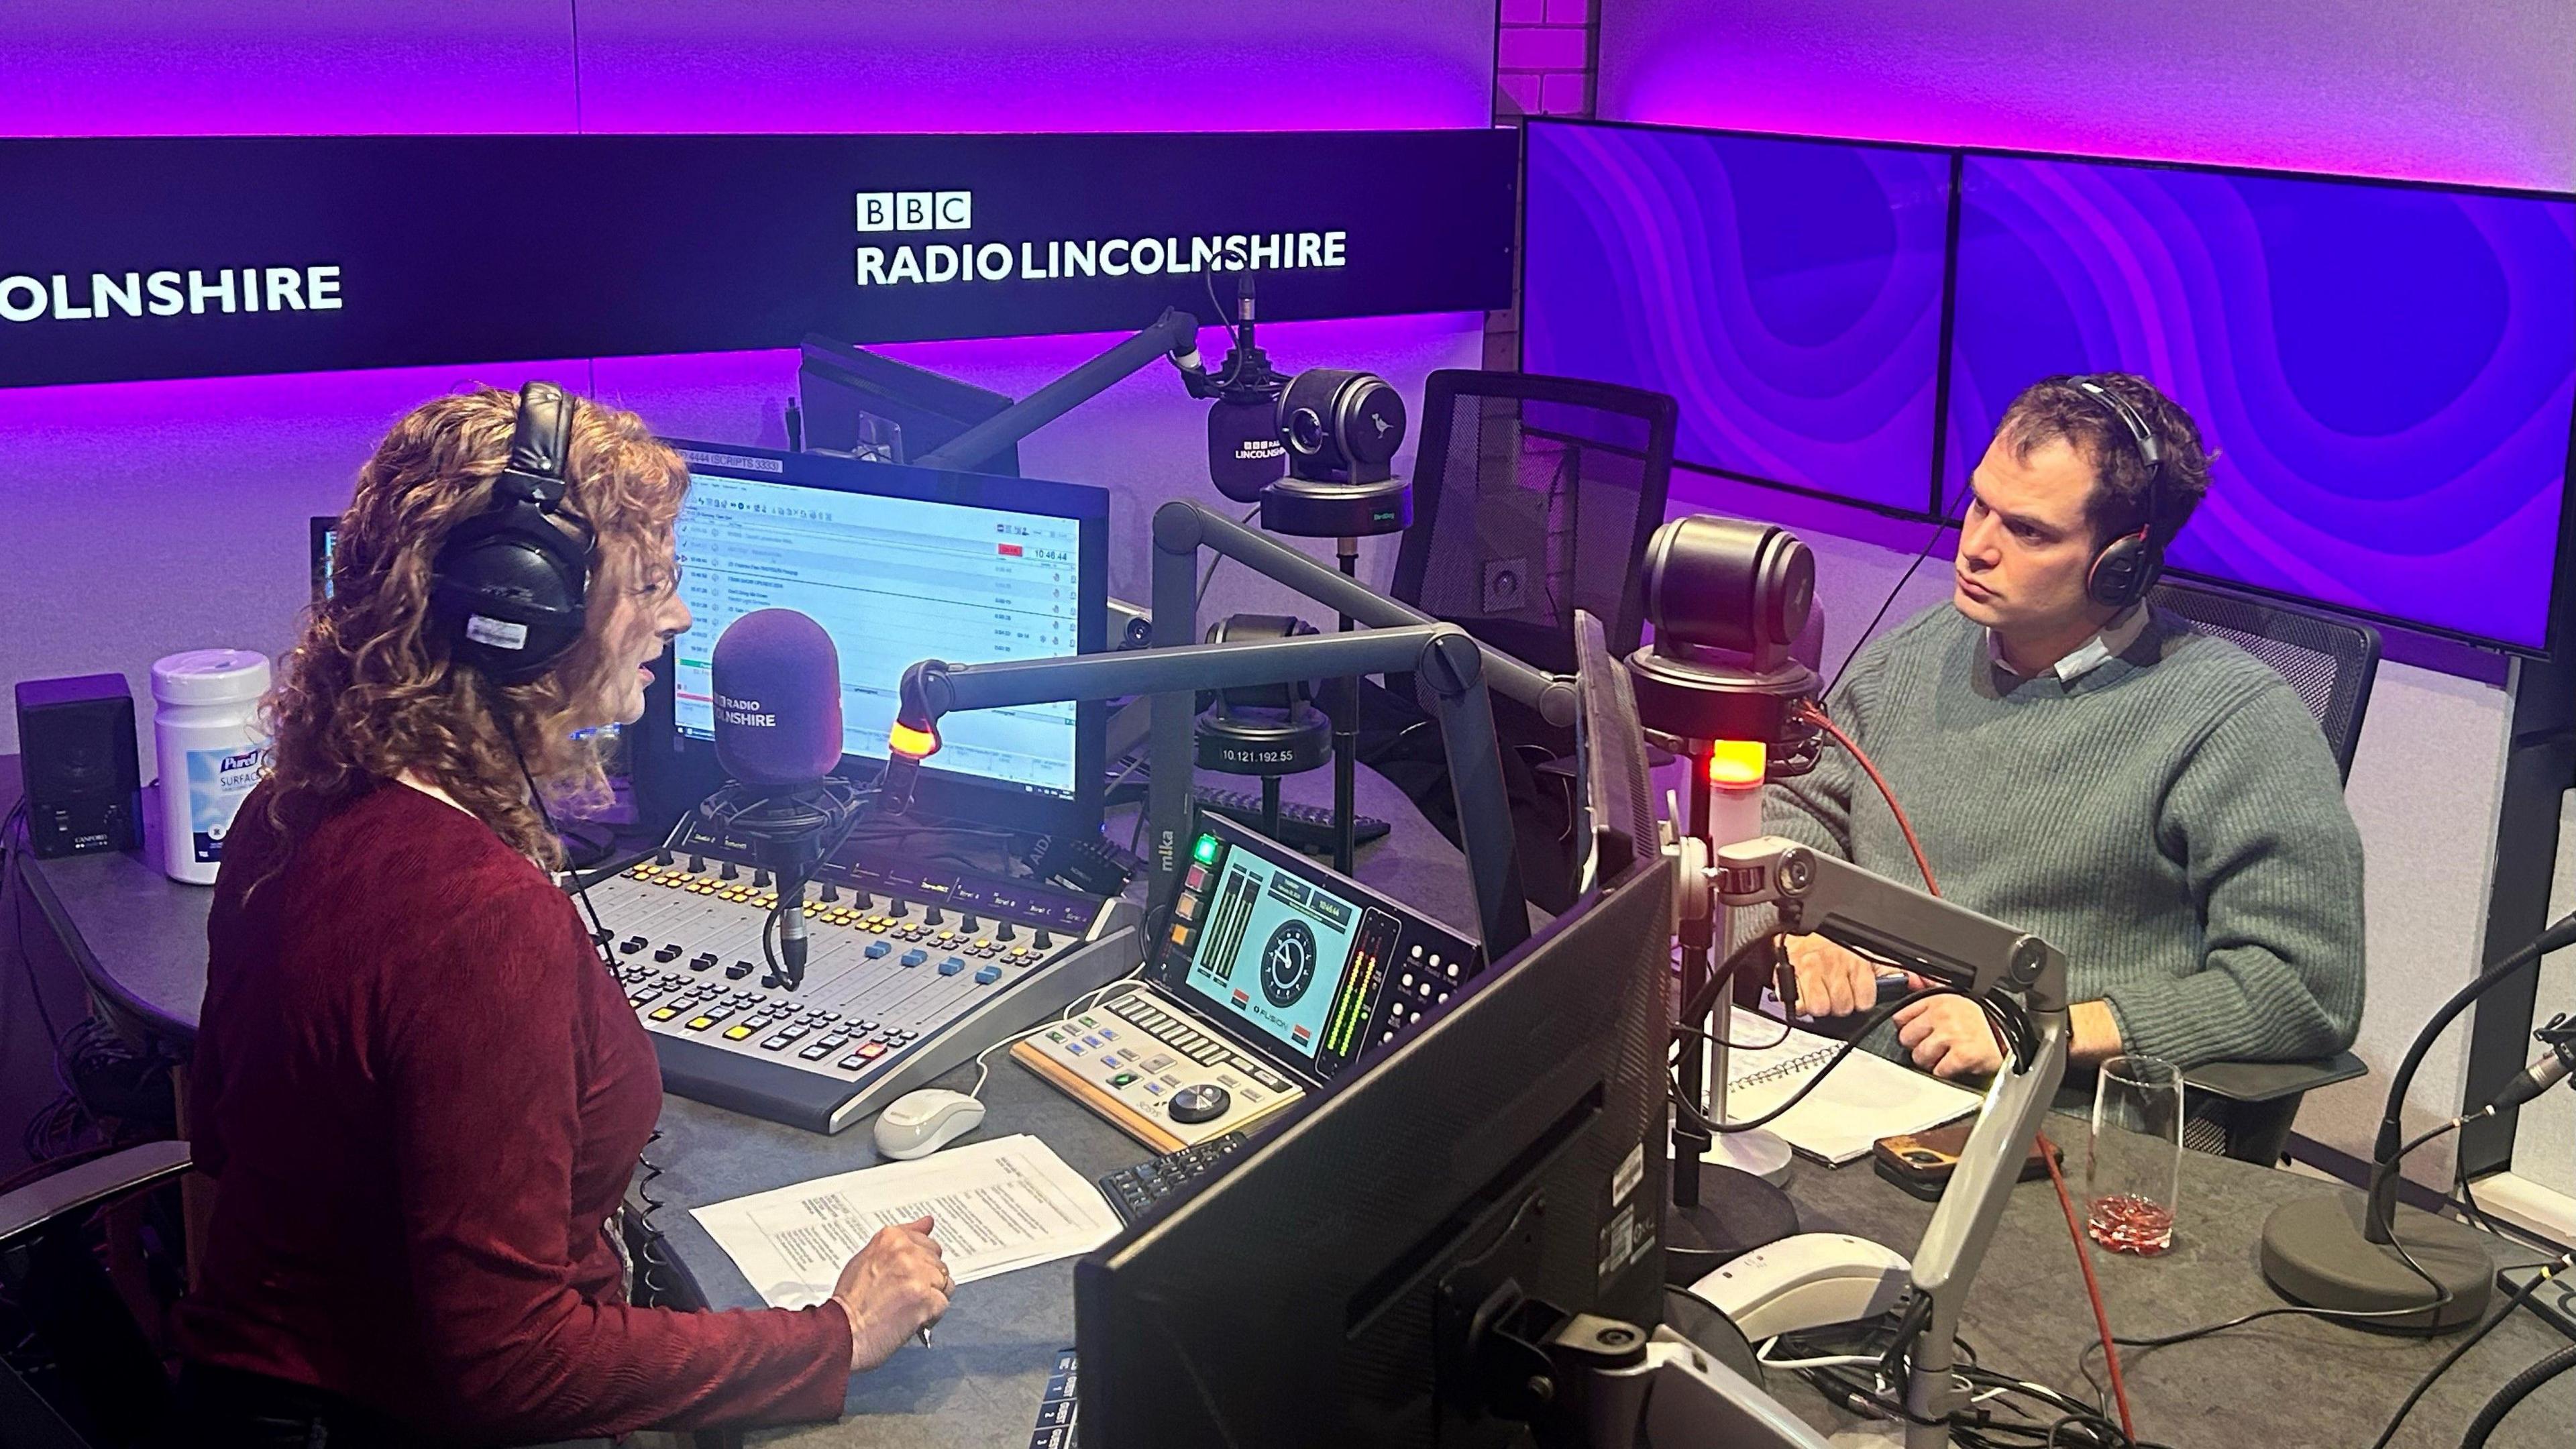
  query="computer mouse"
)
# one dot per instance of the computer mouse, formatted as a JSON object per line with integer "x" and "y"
{"x": 918, "y": 1124}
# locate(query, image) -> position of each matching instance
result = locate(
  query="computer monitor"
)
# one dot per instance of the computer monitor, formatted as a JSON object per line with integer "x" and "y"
{"x": 1320, "y": 1290}
{"x": 1618, "y": 789}
{"x": 897, "y": 564}
{"x": 2385, "y": 371}
{"x": 1786, "y": 290}
{"x": 858, "y": 403}
{"x": 324, "y": 540}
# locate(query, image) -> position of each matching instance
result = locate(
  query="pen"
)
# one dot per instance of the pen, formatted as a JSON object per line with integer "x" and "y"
{"x": 924, "y": 1335}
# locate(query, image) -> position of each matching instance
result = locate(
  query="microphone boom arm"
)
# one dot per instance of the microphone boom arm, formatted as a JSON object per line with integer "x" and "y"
{"x": 1818, "y": 893}
{"x": 1174, "y": 334}
{"x": 1443, "y": 655}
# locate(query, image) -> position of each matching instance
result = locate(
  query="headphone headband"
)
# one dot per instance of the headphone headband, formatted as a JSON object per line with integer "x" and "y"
{"x": 2141, "y": 438}
{"x": 2127, "y": 566}
{"x": 535, "y": 471}
{"x": 510, "y": 583}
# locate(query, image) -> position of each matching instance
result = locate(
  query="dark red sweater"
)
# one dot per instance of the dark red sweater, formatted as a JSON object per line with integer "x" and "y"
{"x": 419, "y": 1098}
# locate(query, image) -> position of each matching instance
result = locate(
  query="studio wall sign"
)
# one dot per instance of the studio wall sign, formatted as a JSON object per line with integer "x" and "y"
{"x": 133, "y": 258}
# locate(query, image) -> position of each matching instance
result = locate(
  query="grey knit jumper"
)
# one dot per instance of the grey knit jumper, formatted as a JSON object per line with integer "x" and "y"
{"x": 2171, "y": 819}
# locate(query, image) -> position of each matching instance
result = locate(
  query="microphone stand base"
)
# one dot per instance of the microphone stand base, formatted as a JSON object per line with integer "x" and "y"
{"x": 1738, "y": 1213}
{"x": 1759, "y": 1154}
{"x": 2314, "y": 1253}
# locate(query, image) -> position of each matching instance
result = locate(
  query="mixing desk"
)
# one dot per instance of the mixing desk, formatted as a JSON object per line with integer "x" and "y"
{"x": 1273, "y": 977}
{"x": 912, "y": 971}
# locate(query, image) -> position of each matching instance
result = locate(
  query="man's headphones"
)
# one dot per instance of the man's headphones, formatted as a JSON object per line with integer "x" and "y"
{"x": 508, "y": 583}
{"x": 2129, "y": 565}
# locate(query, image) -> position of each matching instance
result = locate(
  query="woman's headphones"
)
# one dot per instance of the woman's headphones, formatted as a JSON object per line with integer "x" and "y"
{"x": 2129, "y": 565}
{"x": 508, "y": 582}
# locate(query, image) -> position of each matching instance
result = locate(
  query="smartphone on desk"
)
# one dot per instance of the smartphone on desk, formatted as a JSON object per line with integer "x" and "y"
{"x": 1921, "y": 1162}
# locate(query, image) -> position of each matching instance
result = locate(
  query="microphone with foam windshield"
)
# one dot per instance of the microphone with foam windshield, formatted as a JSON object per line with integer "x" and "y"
{"x": 777, "y": 686}
{"x": 778, "y": 701}
{"x": 1245, "y": 451}
{"x": 1245, "y": 454}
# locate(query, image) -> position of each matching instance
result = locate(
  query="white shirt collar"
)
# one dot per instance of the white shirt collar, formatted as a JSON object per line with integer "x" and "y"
{"x": 2087, "y": 656}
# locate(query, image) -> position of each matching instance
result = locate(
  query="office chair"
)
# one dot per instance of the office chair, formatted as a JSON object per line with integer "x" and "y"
{"x": 2249, "y": 1107}
{"x": 1532, "y": 497}
{"x": 86, "y": 1378}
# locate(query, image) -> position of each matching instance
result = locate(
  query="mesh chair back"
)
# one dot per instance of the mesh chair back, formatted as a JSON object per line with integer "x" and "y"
{"x": 2330, "y": 662}
{"x": 1534, "y": 497}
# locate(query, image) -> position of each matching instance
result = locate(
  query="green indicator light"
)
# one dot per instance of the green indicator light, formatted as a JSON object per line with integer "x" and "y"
{"x": 1206, "y": 850}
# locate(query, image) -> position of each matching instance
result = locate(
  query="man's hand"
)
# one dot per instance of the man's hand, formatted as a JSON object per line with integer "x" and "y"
{"x": 1949, "y": 1037}
{"x": 1832, "y": 981}
{"x": 896, "y": 1286}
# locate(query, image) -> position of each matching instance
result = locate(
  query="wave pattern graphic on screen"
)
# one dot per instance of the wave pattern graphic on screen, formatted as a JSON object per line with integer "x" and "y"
{"x": 2387, "y": 374}
{"x": 1787, "y": 293}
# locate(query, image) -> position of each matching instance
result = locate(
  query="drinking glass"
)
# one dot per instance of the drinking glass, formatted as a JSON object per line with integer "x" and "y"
{"x": 2132, "y": 1174}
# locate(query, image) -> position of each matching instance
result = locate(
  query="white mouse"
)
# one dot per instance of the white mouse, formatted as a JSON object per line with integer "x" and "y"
{"x": 918, "y": 1124}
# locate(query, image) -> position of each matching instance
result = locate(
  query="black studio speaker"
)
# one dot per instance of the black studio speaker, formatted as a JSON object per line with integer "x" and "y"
{"x": 76, "y": 752}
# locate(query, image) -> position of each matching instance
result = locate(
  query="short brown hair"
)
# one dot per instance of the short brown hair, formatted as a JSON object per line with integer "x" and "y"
{"x": 2054, "y": 409}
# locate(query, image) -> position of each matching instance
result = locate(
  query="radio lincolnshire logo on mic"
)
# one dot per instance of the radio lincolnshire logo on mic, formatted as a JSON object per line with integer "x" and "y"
{"x": 898, "y": 262}
{"x": 68, "y": 297}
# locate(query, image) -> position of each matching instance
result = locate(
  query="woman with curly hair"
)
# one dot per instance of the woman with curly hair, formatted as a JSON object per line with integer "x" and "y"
{"x": 417, "y": 1092}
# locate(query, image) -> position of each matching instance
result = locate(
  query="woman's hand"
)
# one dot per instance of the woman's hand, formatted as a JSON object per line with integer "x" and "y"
{"x": 894, "y": 1288}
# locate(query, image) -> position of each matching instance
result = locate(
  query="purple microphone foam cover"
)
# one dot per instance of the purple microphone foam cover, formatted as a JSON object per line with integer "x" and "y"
{"x": 778, "y": 700}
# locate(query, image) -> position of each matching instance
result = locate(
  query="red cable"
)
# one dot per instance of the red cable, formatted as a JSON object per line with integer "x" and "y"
{"x": 1921, "y": 864}
{"x": 2047, "y": 1149}
{"x": 2092, "y": 1289}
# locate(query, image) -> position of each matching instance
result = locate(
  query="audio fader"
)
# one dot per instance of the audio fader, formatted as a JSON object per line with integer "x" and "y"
{"x": 912, "y": 971}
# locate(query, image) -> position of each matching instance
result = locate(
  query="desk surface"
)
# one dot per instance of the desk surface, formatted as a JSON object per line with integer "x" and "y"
{"x": 2285, "y": 1382}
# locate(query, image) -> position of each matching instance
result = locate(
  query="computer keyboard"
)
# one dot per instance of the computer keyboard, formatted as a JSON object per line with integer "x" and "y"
{"x": 1133, "y": 1191}
{"x": 1058, "y": 1410}
{"x": 1308, "y": 828}
{"x": 1301, "y": 827}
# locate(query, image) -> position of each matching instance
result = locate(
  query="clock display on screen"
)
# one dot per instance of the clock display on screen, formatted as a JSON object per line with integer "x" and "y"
{"x": 1288, "y": 963}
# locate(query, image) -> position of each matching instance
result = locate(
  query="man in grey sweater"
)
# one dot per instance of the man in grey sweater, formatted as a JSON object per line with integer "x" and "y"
{"x": 2155, "y": 802}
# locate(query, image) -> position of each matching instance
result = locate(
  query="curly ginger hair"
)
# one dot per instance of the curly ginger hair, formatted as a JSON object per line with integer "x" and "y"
{"x": 369, "y": 690}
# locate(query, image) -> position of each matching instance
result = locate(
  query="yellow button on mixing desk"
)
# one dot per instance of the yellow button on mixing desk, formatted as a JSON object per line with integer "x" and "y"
{"x": 736, "y": 1033}
{"x": 665, "y": 1013}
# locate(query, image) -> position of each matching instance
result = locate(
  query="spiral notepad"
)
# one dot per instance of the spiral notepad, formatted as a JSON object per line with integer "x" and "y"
{"x": 1788, "y": 1071}
{"x": 1863, "y": 1099}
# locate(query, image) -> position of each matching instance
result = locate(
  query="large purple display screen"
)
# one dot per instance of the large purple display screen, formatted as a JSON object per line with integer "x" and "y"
{"x": 2386, "y": 373}
{"x": 1786, "y": 292}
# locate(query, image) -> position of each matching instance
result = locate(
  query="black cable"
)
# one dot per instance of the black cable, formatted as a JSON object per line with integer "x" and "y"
{"x": 1868, "y": 1024}
{"x": 2425, "y": 1384}
{"x": 649, "y": 1250}
{"x": 1946, "y": 523}
{"x": 2067, "y": 1422}
{"x": 2515, "y": 1390}
{"x": 2441, "y": 1294}
{"x": 12, "y": 846}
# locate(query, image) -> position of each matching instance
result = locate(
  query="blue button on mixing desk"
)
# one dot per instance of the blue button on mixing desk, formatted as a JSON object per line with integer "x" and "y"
{"x": 877, "y": 949}
{"x": 951, "y": 966}
{"x": 915, "y": 956}
{"x": 986, "y": 976}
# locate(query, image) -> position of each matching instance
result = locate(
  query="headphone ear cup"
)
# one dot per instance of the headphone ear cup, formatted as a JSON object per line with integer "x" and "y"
{"x": 2123, "y": 571}
{"x": 511, "y": 590}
